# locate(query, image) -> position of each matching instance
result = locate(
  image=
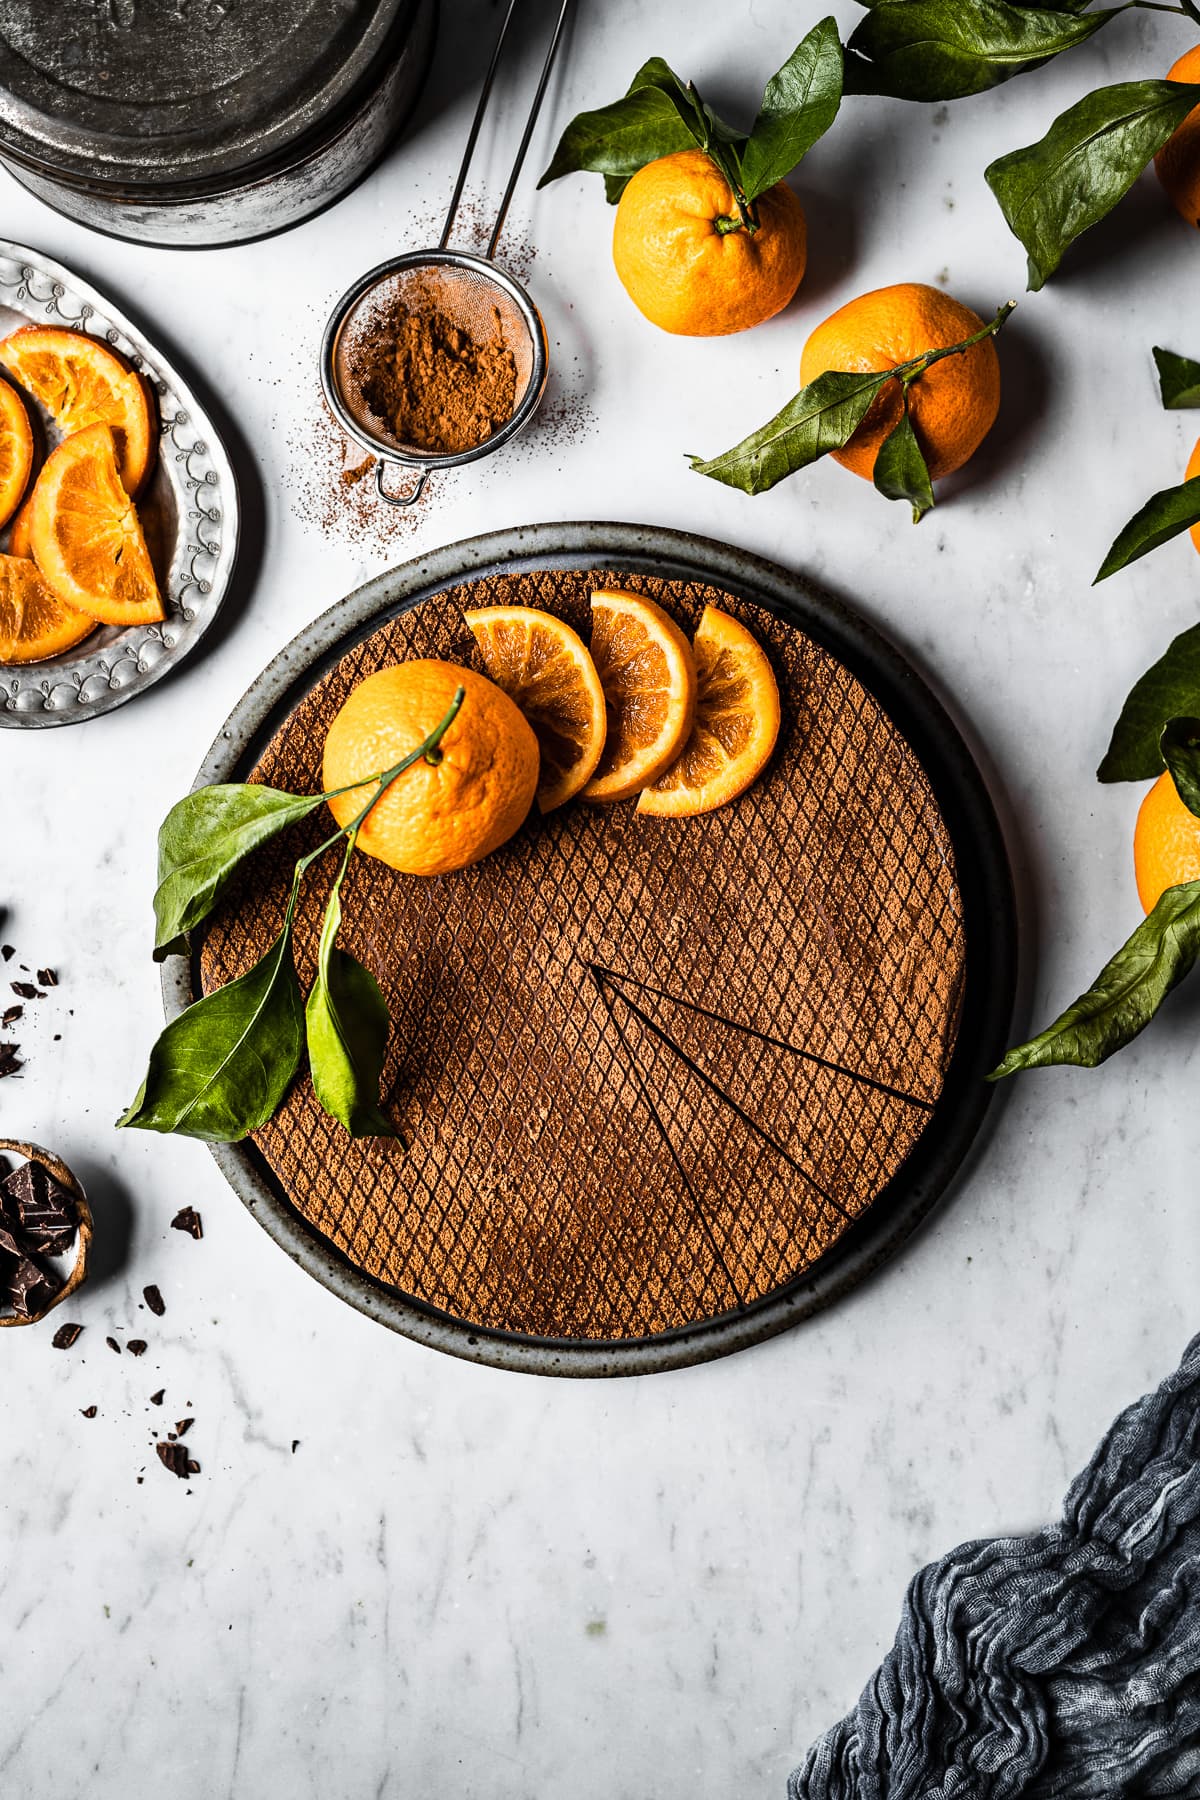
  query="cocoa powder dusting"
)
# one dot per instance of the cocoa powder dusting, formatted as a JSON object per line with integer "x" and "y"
{"x": 432, "y": 384}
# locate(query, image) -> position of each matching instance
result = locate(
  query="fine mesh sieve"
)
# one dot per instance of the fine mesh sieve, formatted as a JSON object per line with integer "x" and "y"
{"x": 471, "y": 292}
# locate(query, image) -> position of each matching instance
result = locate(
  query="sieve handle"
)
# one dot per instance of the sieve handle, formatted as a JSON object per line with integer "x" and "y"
{"x": 481, "y": 108}
{"x": 409, "y": 499}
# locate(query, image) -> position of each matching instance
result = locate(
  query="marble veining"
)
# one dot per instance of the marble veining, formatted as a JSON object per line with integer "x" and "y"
{"x": 398, "y": 1575}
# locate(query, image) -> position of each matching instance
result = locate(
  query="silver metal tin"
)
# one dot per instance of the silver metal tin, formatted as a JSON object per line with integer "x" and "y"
{"x": 191, "y": 500}
{"x": 208, "y": 122}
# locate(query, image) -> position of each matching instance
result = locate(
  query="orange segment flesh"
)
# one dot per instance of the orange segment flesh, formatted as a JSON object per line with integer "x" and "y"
{"x": 86, "y": 536}
{"x": 81, "y": 382}
{"x": 545, "y": 668}
{"x": 34, "y": 623}
{"x": 737, "y": 723}
{"x": 16, "y": 451}
{"x": 18, "y": 531}
{"x": 645, "y": 667}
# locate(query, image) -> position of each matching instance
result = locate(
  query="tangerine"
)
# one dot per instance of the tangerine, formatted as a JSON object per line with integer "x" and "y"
{"x": 442, "y": 815}
{"x": 953, "y": 405}
{"x": 687, "y": 260}
{"x": 1166, "y": 843}
{"x": 1177, "y": 164}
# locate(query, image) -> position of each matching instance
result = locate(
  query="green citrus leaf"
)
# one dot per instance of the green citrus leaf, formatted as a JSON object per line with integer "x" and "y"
{"x": 1170, "y": 687}
{"x": 1125, "y": 995}
{"x": 799, "y": 105}
{"x": 222, "y": 1068}
{"x": 1180, "y": 750}
{"x": 1178, "y": 380}
{"x": 1163, "y": 517}
{"x": 346, "y": 1022}
{"x": 655, "y": 118}
{"x": 946, "y": 49}
{"x": 821, "y": 417}
{"x": 900, "y": 469}
{"x": 1053, "y": 191}
{"x": 202, "y": 841}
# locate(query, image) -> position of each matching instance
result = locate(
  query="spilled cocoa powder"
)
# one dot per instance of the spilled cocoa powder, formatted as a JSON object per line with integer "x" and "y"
{"x": 431, "y": 382}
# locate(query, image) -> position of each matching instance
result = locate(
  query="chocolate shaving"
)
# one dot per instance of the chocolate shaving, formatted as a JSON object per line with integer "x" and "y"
{"x": 136, "y": 1346}
{"x": 113, "y": 1344}
{"x": 10, "y": 1062}
{"x": 25, "y": 990}
{"x": 89, "y": 1412}
{"x": 47, "y": 978}
{"x": 175, "y": 1458}
{"x": 12, "y": 1014}
{"x": 154, "y": 1301}
{"x": 65, "y": 1336}
{"x": 157, "y": 1399}
{"x": 183, "y": 1426}
{"x": 188, "y": 1219}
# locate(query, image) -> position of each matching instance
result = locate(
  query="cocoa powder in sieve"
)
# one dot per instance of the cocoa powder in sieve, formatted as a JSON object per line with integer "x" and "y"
{"x": 431, "y": 383}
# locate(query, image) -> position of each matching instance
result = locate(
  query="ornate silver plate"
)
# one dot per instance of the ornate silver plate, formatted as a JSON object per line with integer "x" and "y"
{"x": 189, "y": 511}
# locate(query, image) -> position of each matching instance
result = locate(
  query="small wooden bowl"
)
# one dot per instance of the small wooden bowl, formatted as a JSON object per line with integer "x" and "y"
{"x": 83, "y": 1237}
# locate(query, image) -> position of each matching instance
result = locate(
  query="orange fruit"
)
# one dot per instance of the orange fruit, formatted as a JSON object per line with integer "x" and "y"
{"x": 649, "y": 679}
{"x": 687, "y": 262}
{"x": 1189, "y": 474}
{"x": 736, "y": 725}
{"x": 1177, "y": 164}
{"x": 545, "y": 668}
{"x": 16, "y": 451}
{"x": 440, "y": 816}
{"x": 81, "y": 382}
{"x": 18, "y": 531}
{"x": 34, "y": 623}
{"x": 1166, "y": 843}
{"x": 86, "y": 536}
{"x": 952, "y": 406}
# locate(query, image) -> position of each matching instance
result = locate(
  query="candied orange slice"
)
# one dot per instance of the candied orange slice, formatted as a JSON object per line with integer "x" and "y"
{"x": 81, "y": 382}
{"x": 645, "y": 667}
{"x": 34, "y": 623}
{"x": 736, "y": 724}
{"x": 16, "y": 451}
{"x": 545, "y": 668}
{"x": 18, "y": 531}
{"x": 86, "y": 535}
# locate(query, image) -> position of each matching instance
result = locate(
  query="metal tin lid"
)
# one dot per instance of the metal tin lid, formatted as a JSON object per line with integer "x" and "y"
{"x": 155, "y": 93}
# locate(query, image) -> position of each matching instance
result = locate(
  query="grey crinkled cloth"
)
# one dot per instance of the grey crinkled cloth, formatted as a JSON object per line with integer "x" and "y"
{"x": 1065, "y": 1663}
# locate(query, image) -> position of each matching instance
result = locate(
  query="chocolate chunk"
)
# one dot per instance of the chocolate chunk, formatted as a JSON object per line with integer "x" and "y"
{"x": 183, "y": 1426}
{"x": 157, "y": 1399}
{"x": 25, "y": 990}
{"x": 113, "y": 1345}
{"x": 12, "y": 1014}
{"x": 193, "y": 1466}
{"x": 136, "y": 1346}
{"x": 89, "y": 1412}
{"x": 154, "y": 1301}
{"x": 295, "y": 1445}
{"x": 44, "y": 1208}
{"x": 188, "y": 1219}
{"x": 173, "y": 1457}
{"x": 7, "y": 952}
{"x": 47, "y": 978}
{"x": 31, "y": 1288}
{"x": 65, "y": 1336}
{"x": 10, "y": 1062}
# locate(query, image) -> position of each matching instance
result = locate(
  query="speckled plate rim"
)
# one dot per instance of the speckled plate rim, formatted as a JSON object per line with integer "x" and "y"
{"x": 82, "y": 684}
{"x": 985, "y": 883}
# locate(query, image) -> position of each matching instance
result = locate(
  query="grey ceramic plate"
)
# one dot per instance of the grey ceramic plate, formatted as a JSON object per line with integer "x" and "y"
{"x": 984, "y": 883}
{"x": 190, "y": 510}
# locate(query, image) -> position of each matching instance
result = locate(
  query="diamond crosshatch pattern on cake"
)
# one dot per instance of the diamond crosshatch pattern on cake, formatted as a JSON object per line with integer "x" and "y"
{"x": 647, "y": 1071}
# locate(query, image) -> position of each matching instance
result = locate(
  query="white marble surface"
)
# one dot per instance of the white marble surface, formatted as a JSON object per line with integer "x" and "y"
{"x": 471, "y": 1583}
